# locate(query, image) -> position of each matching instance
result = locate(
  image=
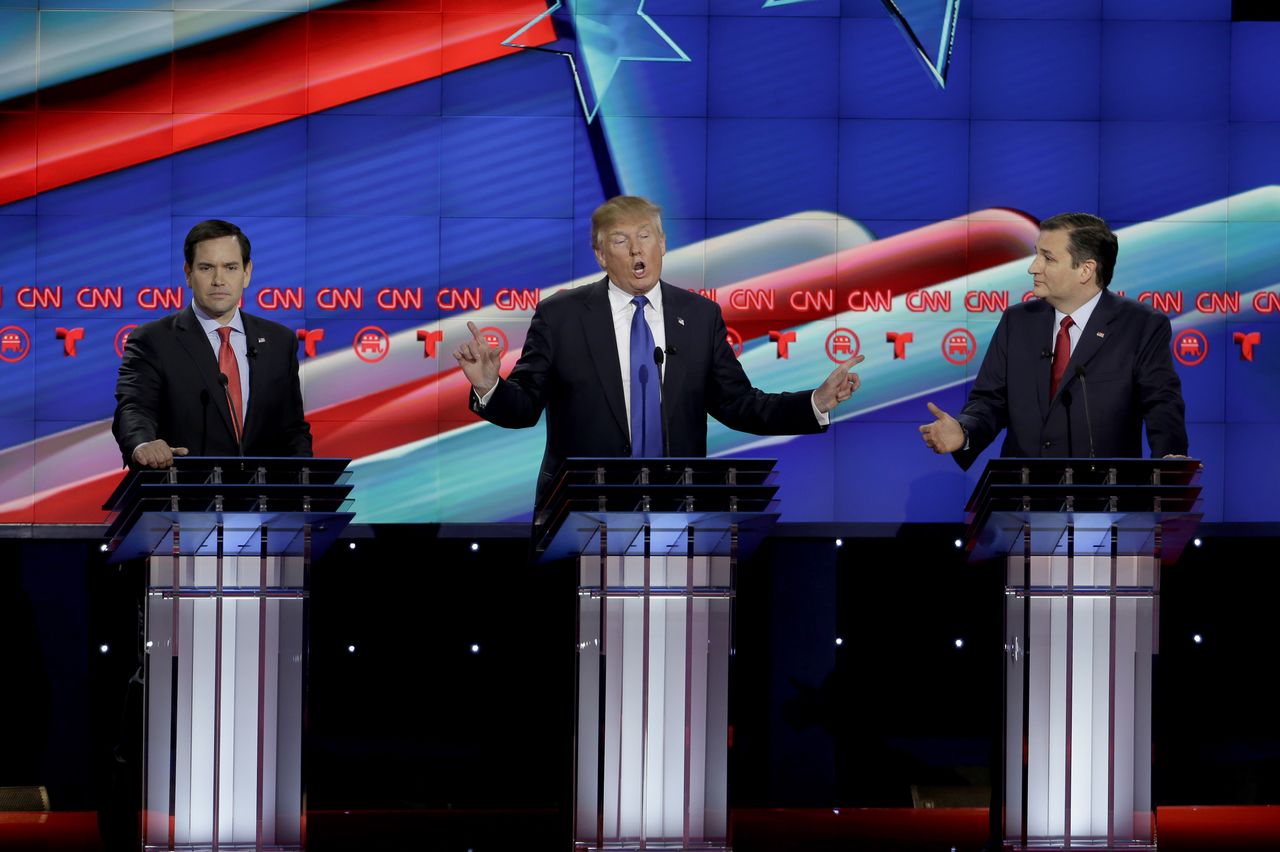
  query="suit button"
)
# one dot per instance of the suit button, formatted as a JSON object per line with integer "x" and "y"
{"x": 626, "y": 451}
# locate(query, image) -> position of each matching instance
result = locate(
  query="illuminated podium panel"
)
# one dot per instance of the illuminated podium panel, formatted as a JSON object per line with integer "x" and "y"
{"x": 1083, "y": 542}
{"x": 229, "y": 545}
{"x": 656, "y": 545}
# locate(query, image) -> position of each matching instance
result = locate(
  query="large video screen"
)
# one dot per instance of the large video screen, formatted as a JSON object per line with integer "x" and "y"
{"x": 857, "y": 176}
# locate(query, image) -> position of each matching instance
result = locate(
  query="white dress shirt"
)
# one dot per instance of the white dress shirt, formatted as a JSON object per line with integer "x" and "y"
{"x": 1079, "y": 319}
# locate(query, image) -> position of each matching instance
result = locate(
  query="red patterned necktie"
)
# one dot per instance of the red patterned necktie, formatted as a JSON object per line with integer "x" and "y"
{"x": 227, "y": 364}
{"x": 1061, "y": 355}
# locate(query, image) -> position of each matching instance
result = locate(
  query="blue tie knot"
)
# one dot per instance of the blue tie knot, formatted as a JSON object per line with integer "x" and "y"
{"x": 640, "y": 302}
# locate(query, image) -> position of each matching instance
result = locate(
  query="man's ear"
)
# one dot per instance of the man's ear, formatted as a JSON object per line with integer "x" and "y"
{"x": 248, "y": 273}
{"x": 1088, "y": 271}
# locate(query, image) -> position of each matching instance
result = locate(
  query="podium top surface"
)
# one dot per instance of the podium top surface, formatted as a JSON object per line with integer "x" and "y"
{"x": 215, "y": 470}
{"x": 1083, "y": 475}
{"x": 301, "y": 504}
{"x": 1135, "y": 505}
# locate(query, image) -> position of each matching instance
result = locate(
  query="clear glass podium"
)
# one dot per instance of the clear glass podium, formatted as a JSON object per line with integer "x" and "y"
{"x": 657, "y": 544}
{"x": 229, "y": 544}
{"x": 1083, "y": 543}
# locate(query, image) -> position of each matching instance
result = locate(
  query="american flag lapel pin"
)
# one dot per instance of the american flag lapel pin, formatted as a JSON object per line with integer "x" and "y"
{"x": 262, "y": 340}
{"x": 680, "y": 320}
{"x": 1101, "y": 334}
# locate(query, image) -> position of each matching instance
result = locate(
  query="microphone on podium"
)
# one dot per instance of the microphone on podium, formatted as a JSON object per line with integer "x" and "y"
{"x": 235, "y": 426}
{"x": 659, "y": 358}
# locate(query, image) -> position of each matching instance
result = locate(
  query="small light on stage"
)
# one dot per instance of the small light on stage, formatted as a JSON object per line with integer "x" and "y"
{"x": 475, "y": 545}
{"x": 102, "y": 649}
{"x": 351, "y": 546}
{"x": 839, "y": 542}
{"x": 959, "y": 643}
{"x": 1196, "y": 541}
{"x": 475, "y": 649}
{"x": 839, "y": 641}
{"x": 103, "y": 547}
{"x": 1198, "y": 639}
{"x": 351, "y": 649}
{"x": 959, "y": 544}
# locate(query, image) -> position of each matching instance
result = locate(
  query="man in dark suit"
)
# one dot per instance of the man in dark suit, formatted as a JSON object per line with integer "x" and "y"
{"x": 171, "y": 395}
{"x": 590, "y": 361}
{"x": 1076, "y": 372}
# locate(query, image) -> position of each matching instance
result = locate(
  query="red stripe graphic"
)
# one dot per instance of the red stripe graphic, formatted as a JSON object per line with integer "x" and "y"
{"x": 238, "y": 83}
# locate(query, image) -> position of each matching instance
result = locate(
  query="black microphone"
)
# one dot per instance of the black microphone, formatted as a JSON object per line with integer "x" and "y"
{"x": 235, "y": 427}
{"x": 1064, "y": 396}
{"x": 662, "y": 401}
{"x": 1088, "y": 422}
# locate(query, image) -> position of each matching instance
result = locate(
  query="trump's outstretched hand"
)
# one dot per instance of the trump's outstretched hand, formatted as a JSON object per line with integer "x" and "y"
{"x": 839, "y": 386}
{"x": 479, "y": 361}
{"x": 944, "y": 434}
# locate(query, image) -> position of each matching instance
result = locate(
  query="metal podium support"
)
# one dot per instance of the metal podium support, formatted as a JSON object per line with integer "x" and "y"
{"x": 229, "y": 544}
{"x": 1083, "y": 541}
{"x": 657, "y": 544}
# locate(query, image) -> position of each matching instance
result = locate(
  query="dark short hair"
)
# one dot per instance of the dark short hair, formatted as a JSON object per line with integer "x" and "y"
{"x": 212, "y": 229}
{"x": 1088, "y": 238}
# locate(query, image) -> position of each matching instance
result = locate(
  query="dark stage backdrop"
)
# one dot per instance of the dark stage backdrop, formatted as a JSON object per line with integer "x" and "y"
{"x": 838, "y": 176}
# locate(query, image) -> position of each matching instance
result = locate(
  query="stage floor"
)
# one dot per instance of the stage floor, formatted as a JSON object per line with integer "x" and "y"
{"x": 1181, "y": 829}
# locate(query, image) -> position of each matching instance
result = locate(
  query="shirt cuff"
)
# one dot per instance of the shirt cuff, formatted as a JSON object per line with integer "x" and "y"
{"x": 482, "y": 401}
{"x": 824, "y": 417}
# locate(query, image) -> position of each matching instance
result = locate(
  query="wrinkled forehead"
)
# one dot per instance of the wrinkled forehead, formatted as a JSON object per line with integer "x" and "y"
{"x": 629, "y": 226}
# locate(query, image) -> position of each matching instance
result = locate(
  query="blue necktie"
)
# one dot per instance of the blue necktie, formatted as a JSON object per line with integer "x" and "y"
{"x": 646, "y": 402}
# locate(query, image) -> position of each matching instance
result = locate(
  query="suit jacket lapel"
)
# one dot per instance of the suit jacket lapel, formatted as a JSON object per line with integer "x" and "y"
{"x": 677, "y": 336}
{"x": 192, "y": 338}
{"x": 1044, "y": 371}
{"x": 602, "y": 343}
{"x": 256, "y": 379}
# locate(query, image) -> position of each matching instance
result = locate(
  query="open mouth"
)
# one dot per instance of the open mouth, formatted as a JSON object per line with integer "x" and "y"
{"x": 638, "y": 268}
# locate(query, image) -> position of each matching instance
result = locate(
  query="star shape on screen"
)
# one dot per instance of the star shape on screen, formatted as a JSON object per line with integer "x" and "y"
{"x": 928, "y": 25}
{"x": 930, "y": 28}
{"x": 597, "y": 36}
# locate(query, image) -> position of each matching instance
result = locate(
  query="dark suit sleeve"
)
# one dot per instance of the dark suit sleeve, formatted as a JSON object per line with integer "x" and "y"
{"x": 1159, "y": 392}
{"x": 138, "y": 389}
{"x": 987, "y": 410}
{"x": 518, "y": 400}
{"x": 733, "y": 400}
{"x": 297, "y": 431}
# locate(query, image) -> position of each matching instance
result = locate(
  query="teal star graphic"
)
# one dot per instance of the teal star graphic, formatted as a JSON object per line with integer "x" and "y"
{"x": 930, "y": 28}
{"x": 599, "y": 40}
{"x": 928, "y": 25}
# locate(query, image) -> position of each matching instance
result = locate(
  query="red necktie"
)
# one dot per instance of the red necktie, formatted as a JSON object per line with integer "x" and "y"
{"x": 228, "y": 365}
{"x": 1061, "y": 355}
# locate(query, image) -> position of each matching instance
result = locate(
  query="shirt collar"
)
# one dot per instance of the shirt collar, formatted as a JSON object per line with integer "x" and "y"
{"x": 1080, "y": 316}
{"x": 619, "y": 300}
{"x": 211, "y": 325}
